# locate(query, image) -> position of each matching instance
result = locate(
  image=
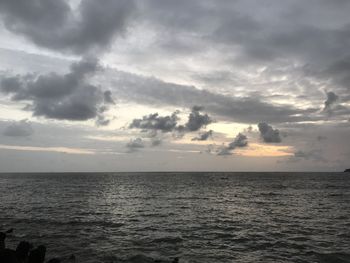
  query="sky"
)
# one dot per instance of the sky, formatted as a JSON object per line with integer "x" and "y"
{"x": 149, "y": 85}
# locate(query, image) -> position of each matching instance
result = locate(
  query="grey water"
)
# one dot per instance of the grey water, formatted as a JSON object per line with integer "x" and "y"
{"x": 198, "y": 217}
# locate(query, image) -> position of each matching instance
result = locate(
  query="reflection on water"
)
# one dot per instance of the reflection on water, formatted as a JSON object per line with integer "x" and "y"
{"x": 199, "y": 217}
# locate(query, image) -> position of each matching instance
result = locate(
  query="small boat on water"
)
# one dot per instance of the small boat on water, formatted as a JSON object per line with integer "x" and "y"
{"x": 347, "y": 170}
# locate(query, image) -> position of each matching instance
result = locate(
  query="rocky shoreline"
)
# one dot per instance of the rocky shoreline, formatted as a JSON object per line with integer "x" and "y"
{"x": 26, "y": 253}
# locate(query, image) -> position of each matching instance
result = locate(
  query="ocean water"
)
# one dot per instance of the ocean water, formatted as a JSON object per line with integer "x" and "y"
{"x": 198, "y": 217}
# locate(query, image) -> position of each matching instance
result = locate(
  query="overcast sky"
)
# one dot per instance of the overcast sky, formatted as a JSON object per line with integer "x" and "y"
{"x": 200, "y": 85}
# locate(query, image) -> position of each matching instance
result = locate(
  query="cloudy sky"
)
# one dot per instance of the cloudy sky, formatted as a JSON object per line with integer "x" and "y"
{"x": 200, "y": 85}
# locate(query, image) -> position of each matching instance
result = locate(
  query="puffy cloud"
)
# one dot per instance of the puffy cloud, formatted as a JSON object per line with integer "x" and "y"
{"x": 22, "y": 128}
{"x": 135, "y": 144}
{"x": 204, "y": 136}
{"x": 240, "y": 141}
{"x": 62, "y": 97}
{"x": 153, "y": 123}
{"x": 55, "y": 25}
{"x": 332, "y": 98}
{"x": 268, "y": 134}
{"x": 101, "y": 119}
{"x": 48, "y": 86}
{"x": 156, "y": 142}
{"x": 196, "y": 120}
{"x": 156, "y": 122}
{"x": 223, "y": 151}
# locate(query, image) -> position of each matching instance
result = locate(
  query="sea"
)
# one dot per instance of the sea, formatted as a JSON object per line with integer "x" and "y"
{"x": 196, "y": 217}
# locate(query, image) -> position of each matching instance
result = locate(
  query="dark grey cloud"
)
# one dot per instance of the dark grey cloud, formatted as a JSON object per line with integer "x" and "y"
{"x": 62, "y": 97}
{"x": 101, "y": 119}
{"x": 196, "y": 120}
{"x": 152, "y": 91}
{"x": 335, "y": 106}
{"x": 55, "y": 25}
{"x": 269, "y": 134}
{"x": 293, "y": 32}
{"x": 107, "y": 96}
{"x": 11, "y": 84}
{"x": 48, "y": 86}
{"x": 156, "y": 122}
{"x": 245, "y": 33}
{"x": 153, "y": 123}
{"x": 21, "y": 128}
{"x": 332, "y": 98}
{"x": 180, "y": 16}
{"x": 135, "y": 144}
{"x": 80, "y": 105}
{"x": 288, "y": 29}
{"x": 240, "y": 141}
{"x": 339, "y": 73}
{"x": 203, "y": 136}
{"x": 156, "y": 142}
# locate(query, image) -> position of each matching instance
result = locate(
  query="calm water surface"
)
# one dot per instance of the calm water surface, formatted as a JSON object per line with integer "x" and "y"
{"x": 199, "y": 217}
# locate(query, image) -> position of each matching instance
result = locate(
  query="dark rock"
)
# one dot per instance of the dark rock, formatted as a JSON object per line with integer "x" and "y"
{"x": 22, "y": 251}
{"x": 37, "y": 255}
{"x": 3, "y": 236}
{"x": 8, "y": 256}
{"x": 71, "y": 258}
{"x": 54, "y": 260}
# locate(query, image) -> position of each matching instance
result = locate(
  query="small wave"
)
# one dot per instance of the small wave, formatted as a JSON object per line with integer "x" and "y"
{"x": 333, "y": 257}
{"x": 92, "y": 223}
{"x": 138, "y": 258}
{"x": 223, "y": 235}
{"x": 269, "y": 194}
{"x": 172, "y": 240}
{"x": 335, "y": 195}
{"x": 240, "y": 240}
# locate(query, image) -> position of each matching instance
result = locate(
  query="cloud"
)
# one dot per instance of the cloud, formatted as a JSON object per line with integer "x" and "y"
{"x": 240, "y": 141}
{"x": 107, "y": 96}
{"x": 321, "y": 138}
{"x": 135, "y": 144}
{"x": 250, "y": 29}
{"x": 313, "y": 155}
{"x": 156, "y": 122}
{"x": 196, "y": 120}
{"x": 55, "y": 25}
{"x": 310, "y": 54}
{"x": 61, "y": 97}
{"x": 268, "y": 134}
{"x": 153, "y": 91}
{"x": 332, "y": 98}
{"x": 338, "y": 72}
{"x": 48, "y": 86}
{"x": 153, "y": 123}
{"x": 204, "y": 136}
{"x": 156, "y": 142}
{"x": 21, "y": 128}
{"x": 101, "y": 120}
